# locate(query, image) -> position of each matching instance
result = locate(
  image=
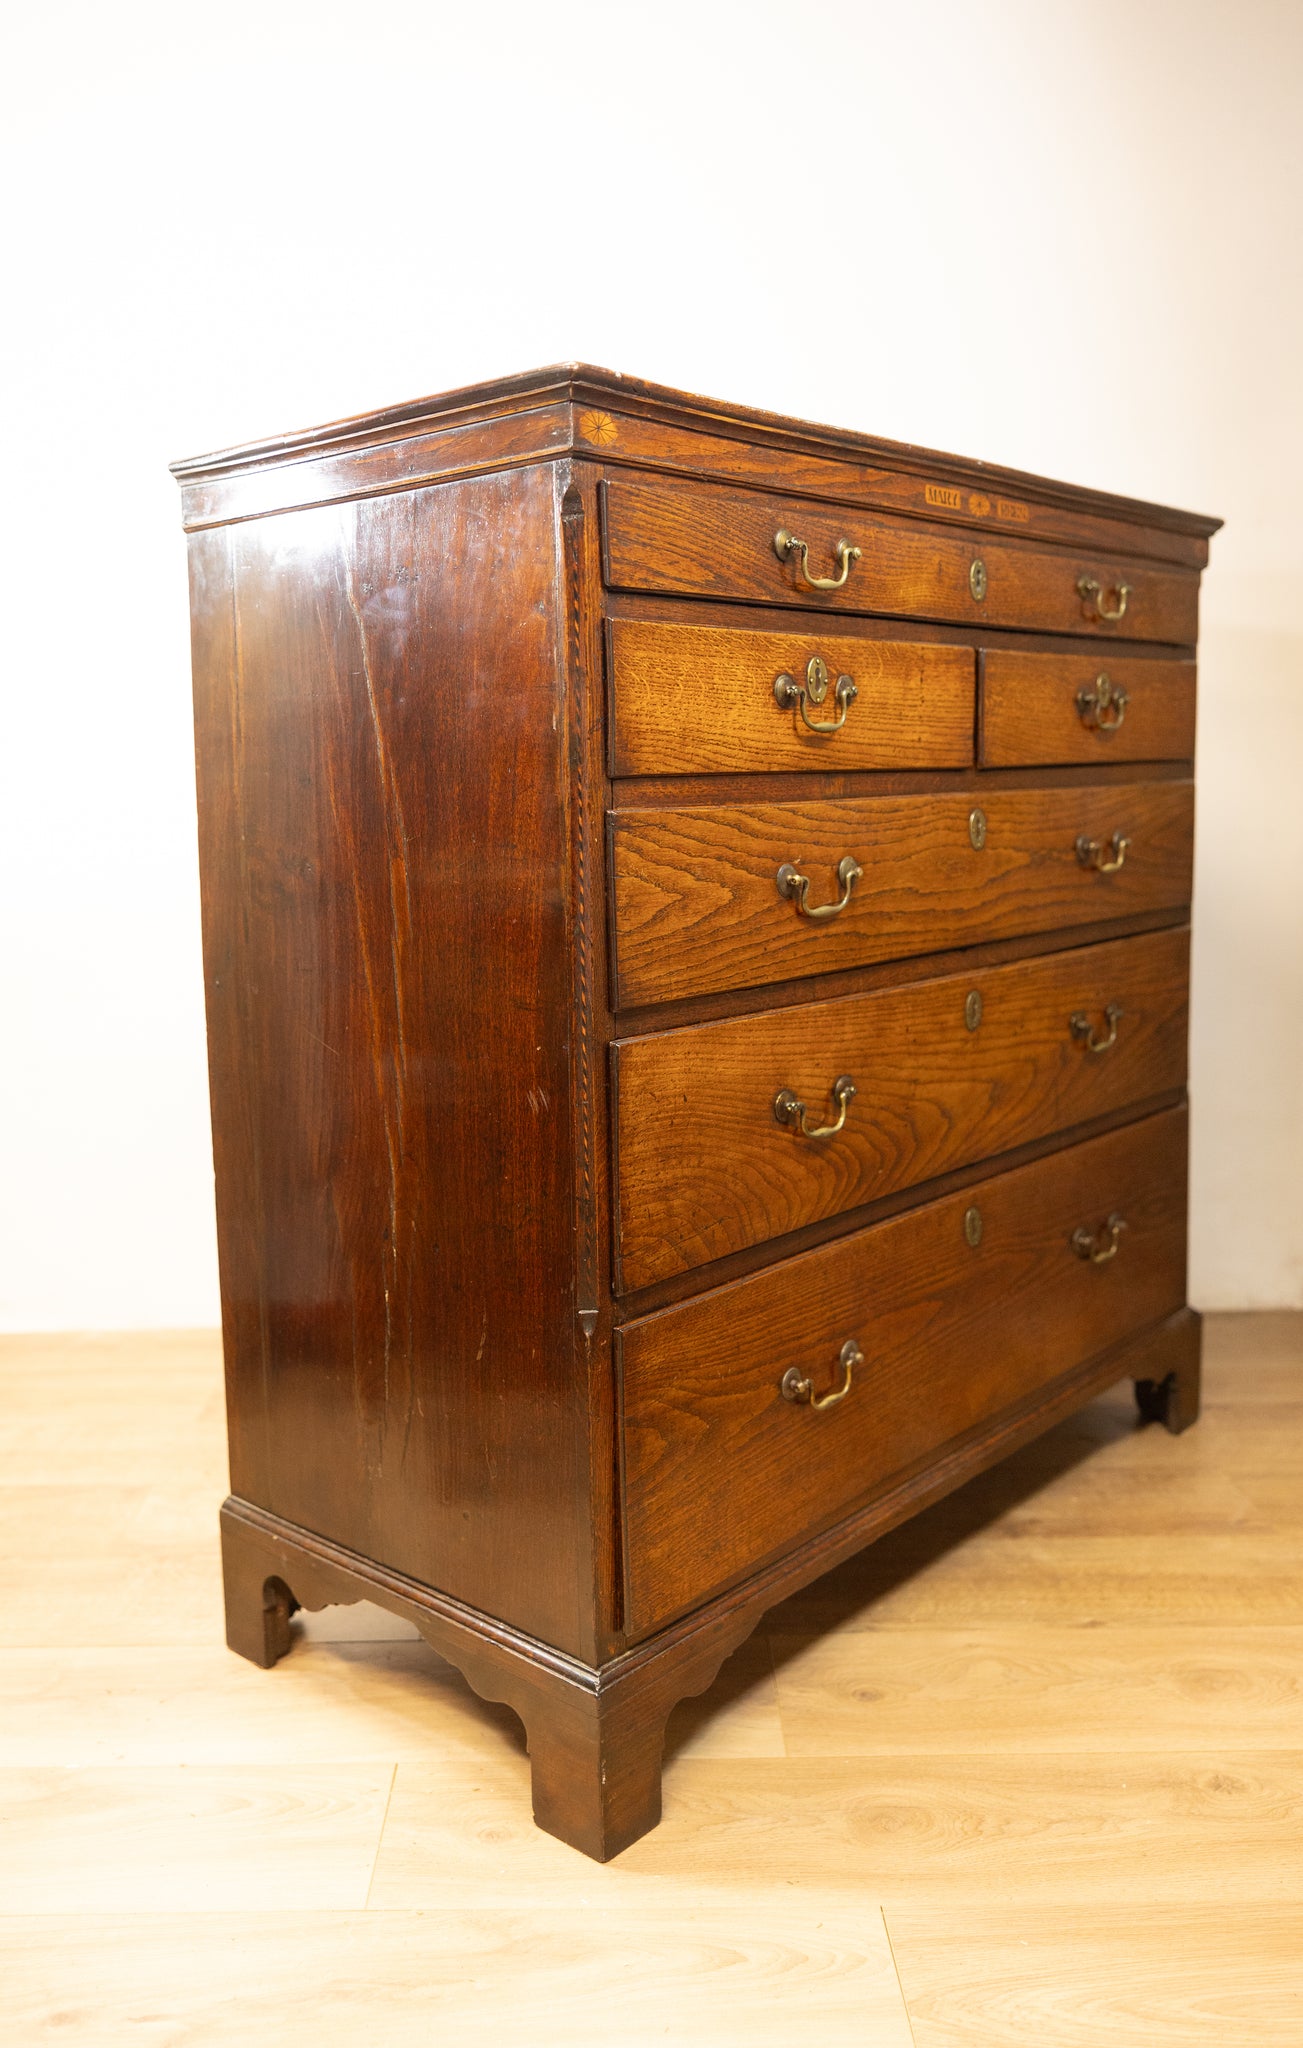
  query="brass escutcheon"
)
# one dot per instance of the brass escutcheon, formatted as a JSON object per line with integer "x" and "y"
{"x": 1080, "y": 1026}
{"x": 977, "y": 580}
{"x": 788, "y": 548}
{"x": 1103, "y": 707}
{"x": 973, "y": 1010}
{"x": 977, "y": 828}
{"x": 1104, "y": 856}
{"x": 1091, "y": 593}
{"x": 789, "y": 1109}
{"x": 788, "y": 693}
{"x": 797, "y": 1386}
{"x": 796, "y": 888}
{"x": 1099, "y": 1246}
{"x": 973, "y": 1226}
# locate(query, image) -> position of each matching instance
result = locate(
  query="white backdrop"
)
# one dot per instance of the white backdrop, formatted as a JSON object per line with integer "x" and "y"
{"x": 1062, "y": 236}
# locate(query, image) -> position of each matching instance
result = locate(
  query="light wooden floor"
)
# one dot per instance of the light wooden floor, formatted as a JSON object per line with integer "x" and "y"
{"x": 1028, "y": 1775}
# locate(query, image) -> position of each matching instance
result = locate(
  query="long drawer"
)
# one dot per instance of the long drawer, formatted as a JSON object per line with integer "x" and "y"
{"x": 1042, "y": 709}
{"x": 734, "y": 1132}
{"x": 720, "y": 896}
{"x": 702, "y": 540}
{"x": 703, "y": 700}
{"x": 941, "y": 1318}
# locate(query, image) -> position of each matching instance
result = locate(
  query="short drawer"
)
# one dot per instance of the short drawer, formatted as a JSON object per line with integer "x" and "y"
{"x": 946, "y": 1315}
{"x": 735, "y": 1132}
{"x": 736, "y": 895}
{"x": 1042, "y": 709}
{"x": 701, "y": 700}
{"x": 701, "y": 540}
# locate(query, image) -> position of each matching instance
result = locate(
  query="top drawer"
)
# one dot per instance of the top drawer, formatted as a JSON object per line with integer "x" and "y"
{"x": 700, "y": 540}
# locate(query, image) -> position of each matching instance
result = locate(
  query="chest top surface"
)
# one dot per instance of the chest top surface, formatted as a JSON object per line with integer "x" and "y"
{"x": 576, "y": 409}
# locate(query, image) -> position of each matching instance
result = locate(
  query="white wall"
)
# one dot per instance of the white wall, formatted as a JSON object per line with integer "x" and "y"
{"x": 1063, "y": 236}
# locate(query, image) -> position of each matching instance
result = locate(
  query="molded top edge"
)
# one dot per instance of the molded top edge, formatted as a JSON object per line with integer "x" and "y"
{"x": 579, "y": 383}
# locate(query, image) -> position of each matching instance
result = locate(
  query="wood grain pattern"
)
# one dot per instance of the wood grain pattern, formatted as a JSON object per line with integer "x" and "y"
{"x": 899, "y": 482}
{"x": 696, "y": 540}
{"x": 142, "y": 1707}
{"x": 696, "y": 905}
{"x": 404, "y": 745}
{"x": 155, "y": 1839}
{"x": 543, "y": 411}
{"x": 926, "y": 1578}
{"x": 383, "y": 1081}
{"x": 1001, "y": 1871}
{"x": 751, "y": 1974}
{"x": 1030, "y": 716}
{"x": 692, "y": 699}
{"x": 1023, "y": 1689}
{"x": 917, "y": 1832}
{"x": 706, "y": 1169}
{"x": 719, "y": 1468}
{"x": 1216, "y": 1973}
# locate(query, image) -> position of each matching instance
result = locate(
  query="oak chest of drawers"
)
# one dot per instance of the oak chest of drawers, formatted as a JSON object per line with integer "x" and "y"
{"x": 695, "y": 922}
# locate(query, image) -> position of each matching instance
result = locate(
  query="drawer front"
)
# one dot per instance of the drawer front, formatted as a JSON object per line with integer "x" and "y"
{"x": 691, "y": 700}
{"x": 699, "y": 540}
{"x": 1042, "y": 709}
{"x": 699, "y": 903}
{"x": 714, "y": 1156}
{"x": 722, "y": 1471}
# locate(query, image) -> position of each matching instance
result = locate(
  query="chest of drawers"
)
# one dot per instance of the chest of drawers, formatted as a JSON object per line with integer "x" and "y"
{"x": 696, "y": 940}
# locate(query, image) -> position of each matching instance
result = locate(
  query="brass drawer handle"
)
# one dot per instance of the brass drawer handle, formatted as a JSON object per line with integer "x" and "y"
{"x": 789, "y": 1109}
{"x": 787, "y": 546}
{"x": 798, "y": 1386}
{"x": 787, "y": 692}
{"x": 1103, "y": 707}
{"x": 1106, "y": 857}
{"x": 1092, "y": 595}
{"x": 1081, "y": 1027}
{"x": 1099, "y": 1246}
{"x": 797, "y": 888}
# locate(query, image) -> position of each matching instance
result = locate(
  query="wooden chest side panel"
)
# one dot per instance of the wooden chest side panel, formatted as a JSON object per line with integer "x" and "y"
{"x": 381, "y": 761}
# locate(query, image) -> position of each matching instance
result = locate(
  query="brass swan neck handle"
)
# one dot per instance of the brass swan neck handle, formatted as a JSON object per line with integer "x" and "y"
{"x": 1099, "y": 1246}
{"x": 789, "y": 1109}
{"x": 796, "y": 887}
{"x": 1104, "y": 856}
{"x": 1080, "y": 1026}
{"x": 797, "y": 1386}
{"x": 789, "y": 549}
{"x": 1091, "y": 592}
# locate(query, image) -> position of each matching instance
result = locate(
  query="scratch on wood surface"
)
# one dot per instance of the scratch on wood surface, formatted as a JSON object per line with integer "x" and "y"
{"x": 392, "y": 1103}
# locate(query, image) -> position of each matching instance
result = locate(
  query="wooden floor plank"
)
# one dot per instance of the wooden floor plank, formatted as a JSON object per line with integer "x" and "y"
{"x": 926, "y": 1577}
{"x": 110, "y": 1435}
{"x": 1075, "y": 1683}
{"x": 768, "y": 1971}
{"x": 169, "y": 1354}
{"x": 1252, "y": 1358}
{"x": 373, "y": 1701}
{"x": 193, "y": 1839}
{"x": 111, "y": 1597}
{"x": 1020, "y": 1690}
{"x": 959, "y": 1827}
{"x": 1127, "y": 1976}
{"x": 1277, "y": 1497}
